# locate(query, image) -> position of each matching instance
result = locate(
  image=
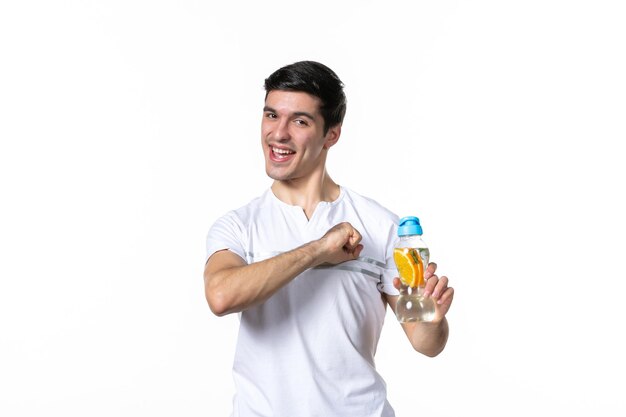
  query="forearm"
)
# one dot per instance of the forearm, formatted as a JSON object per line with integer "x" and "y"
{"x": 240, "y": 287}
{"x": 428, "y": 338}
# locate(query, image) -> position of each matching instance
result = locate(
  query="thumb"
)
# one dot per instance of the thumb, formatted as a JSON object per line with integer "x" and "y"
{"x": 357, "y": 251}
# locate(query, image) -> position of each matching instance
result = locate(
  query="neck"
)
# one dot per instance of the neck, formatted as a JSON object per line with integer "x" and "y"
{"x": 306, "y": 192}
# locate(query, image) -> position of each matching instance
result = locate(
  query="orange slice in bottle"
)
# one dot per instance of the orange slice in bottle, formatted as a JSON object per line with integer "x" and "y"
{"x": 410, "y": 266}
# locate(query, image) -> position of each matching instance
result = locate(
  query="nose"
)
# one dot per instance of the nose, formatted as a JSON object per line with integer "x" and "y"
{"x": 280, "y": 132}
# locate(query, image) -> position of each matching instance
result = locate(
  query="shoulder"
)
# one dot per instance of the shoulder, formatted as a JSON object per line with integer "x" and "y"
{"x": 251, "y": 210}
{"x": 369, "y": 207}
{"x": 241, "y": 217}
{"x": 378, "y": 225}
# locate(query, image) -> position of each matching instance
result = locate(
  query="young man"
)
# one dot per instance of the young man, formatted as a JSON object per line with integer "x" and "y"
{"x": 309, "y": 266}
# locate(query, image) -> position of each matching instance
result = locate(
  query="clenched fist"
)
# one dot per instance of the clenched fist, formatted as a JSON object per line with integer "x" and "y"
{"x": 340, "y": 244}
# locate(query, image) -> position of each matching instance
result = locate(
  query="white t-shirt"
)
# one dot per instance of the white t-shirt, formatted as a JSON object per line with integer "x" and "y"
{"x": 309, "y": 349}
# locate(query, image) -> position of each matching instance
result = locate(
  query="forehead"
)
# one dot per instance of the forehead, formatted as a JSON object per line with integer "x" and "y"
{"x": 293, "y": 101}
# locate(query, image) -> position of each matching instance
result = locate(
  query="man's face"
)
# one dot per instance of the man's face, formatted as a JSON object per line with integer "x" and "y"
{"x": 292, "y": 135}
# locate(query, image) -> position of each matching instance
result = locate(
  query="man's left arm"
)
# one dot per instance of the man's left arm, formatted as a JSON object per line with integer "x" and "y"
{"x": 429, "y": 338}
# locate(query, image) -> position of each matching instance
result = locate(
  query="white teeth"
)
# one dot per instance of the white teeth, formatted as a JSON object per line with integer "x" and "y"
{"x": 282, "y": 151}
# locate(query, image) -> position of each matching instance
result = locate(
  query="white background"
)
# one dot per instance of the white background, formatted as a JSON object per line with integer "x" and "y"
{"x": 128, "y": 127}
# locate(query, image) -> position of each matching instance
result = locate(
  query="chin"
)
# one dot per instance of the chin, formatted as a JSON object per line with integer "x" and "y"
{"x": 278, "y": 173}
{"x": 277, "y": 176}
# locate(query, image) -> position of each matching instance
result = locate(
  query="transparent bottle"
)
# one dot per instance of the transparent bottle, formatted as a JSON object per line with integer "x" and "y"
{"x": 411, "y": 256}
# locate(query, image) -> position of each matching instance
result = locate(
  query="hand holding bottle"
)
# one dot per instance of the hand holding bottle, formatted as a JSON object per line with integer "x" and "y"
{"x": 423, "y": 296}
{"x": 437, "y": 288}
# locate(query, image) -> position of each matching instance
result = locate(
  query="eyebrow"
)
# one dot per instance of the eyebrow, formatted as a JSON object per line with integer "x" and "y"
{"x": 297, "y": 114}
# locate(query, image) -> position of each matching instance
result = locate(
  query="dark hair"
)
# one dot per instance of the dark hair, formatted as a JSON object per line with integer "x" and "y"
{"x": 316, "y": 79}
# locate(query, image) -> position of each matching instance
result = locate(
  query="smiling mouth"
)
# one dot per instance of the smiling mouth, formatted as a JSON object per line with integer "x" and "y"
{"x": 278, "y": 154}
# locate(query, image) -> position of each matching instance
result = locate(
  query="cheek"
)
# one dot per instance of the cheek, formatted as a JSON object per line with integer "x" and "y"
{"x": 266, "y": 126}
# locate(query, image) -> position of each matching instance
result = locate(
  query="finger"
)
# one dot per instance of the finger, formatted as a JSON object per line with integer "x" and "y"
{"x": 355, "y": 237}
{"x": 357, "y": 251}
{"x": 351, "y": 235}
{"x": 352, "y": 251}
{"x": 440, "y": 287}
{"x": 446, "y": 297}
{"x": 430, "y": 285}
{"x": 430, "y": 271}
{"x": 396, "y": 283}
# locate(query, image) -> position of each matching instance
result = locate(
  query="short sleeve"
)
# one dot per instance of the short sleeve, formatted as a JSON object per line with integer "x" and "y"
{"x": 226, "y": 233}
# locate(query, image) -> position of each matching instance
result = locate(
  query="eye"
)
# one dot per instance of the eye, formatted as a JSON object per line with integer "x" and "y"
{"x": 301, "y": 122}
{"x": 271, "y": 115}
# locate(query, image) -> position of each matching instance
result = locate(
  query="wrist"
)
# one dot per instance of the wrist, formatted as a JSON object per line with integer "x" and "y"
{"x": 312, "y": 253}
{"x": 430, "y": 338}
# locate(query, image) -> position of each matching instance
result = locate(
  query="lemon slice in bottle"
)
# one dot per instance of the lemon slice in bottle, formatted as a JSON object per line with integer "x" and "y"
{"x": 410, "y": 266}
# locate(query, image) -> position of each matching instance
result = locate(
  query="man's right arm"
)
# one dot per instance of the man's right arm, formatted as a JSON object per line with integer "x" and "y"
{"x": 232, "y": 286}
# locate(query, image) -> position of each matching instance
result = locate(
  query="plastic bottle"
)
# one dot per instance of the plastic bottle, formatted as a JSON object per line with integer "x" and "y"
{"x": 411, "y": 257}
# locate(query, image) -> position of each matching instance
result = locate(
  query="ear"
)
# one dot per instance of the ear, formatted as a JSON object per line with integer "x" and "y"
{"x": 332, "y": 136}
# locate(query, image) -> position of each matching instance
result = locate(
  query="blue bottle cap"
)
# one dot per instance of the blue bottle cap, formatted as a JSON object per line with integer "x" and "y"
{"x": 409, "y": 225}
